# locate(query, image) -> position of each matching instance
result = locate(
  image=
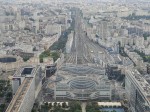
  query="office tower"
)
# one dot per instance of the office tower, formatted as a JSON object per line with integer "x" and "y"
{"x": 36, "y": 23}
{"x": 26, "y": 84}
{"x": 103, "y": 29}
{"x": 138, "y": 91}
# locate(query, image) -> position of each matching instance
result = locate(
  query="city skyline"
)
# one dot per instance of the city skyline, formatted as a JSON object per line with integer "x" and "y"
{"x": 75, "y": 56}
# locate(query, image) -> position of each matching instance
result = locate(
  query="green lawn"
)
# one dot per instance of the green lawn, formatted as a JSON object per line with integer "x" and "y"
{"x": 54, "y": 54}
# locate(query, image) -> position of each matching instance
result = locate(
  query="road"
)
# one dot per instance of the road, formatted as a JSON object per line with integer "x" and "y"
{"x": 83, "y": 106}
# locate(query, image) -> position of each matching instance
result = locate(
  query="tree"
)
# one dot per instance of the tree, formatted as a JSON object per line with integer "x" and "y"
{"x": 59, "y": 105}
{"x": 31, "y": 19}
{"x": 55, "y": 55}
{"x": 25, "y": 59}
{"x": 27, "y": 29}
{"x": 58, "y": 109}
{"x": 9, "y": 94}
{"x": 44, "y": 55}
{"x": 113, "y": 111}
{"x": 64, "y": 105}
{"x": 74, "y": 106}
{"x": 146, "y": 36}
{"x": 8, "y": 99}
{"x": 1, "y": 94}
{"x": 33, "y": 110}
{"x": 34, "y": 48}
{"x": 50, "y": 105}
{"x": 77, "y": 111}
{"x": 46, "y": 104}
{"x": 44, "y": 108}
{"x": 2, "y": 106}
{"x": 55, "y": 104}
{"x": 61, "y": 43}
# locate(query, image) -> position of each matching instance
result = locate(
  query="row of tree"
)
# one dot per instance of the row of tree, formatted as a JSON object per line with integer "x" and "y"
{"x": 5, "y": 94}
{"x": 53, "y": 54}
{"x": 136, "y": 17}
{"x": 145, "y": 58}
{"x": 72, "y": 107}
{"x": 61, "y": 43}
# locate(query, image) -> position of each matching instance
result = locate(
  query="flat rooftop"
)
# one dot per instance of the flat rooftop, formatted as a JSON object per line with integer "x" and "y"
{"x": 141, "y": 83}
{"x": 109, "y": 104}
{"x": 19, "y": 96}
{"x": 25, "y": 71}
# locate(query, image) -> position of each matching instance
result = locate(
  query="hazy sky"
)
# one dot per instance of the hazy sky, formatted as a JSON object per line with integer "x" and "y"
{"x": 87, "y": 0}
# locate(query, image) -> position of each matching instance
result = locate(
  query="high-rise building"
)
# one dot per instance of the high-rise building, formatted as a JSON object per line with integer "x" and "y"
{"x": 113, "y": 71}
{"x": 103, "y": 29}
{"x": 138, "y": 91}
{"x": 35, "y": 23}
{"x": 26, "y": 84}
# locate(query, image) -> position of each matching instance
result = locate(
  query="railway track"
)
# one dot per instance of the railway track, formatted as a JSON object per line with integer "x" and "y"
{"x": 80, "y": 53}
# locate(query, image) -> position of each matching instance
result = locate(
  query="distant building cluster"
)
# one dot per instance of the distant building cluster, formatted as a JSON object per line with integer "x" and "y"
{"x": 26, "y": 32}
{"x": 106, "y": 53}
